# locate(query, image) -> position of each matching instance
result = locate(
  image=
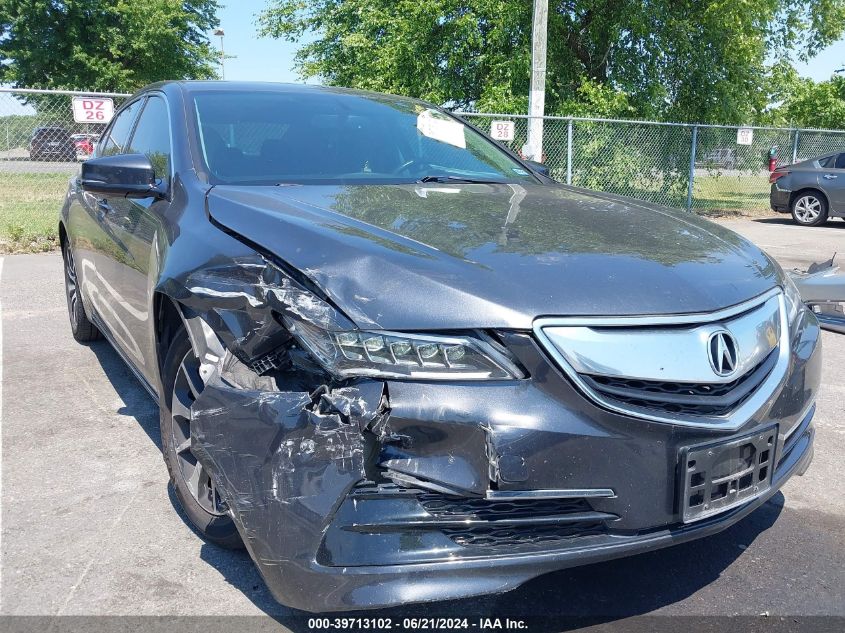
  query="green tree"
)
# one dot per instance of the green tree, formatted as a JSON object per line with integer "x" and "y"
{"x": 117, "y": 45}
{"x": 687, "y": 60}
{"x": 802, "y": 102}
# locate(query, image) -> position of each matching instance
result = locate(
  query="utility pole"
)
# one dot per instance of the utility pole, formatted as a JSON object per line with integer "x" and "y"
{"x": 537, "y": 95}
{"x": 220, "y": 33}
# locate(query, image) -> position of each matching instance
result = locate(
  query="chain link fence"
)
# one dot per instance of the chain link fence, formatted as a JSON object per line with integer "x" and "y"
{"x": 700, "y": 167}
{"x": 41, "y": 145}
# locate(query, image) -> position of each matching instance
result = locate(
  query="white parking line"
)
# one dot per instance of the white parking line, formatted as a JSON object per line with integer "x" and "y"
{"x": 1, "y": 415}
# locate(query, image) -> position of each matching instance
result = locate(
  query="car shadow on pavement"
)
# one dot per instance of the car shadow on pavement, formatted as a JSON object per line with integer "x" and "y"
{"x": 598, "y": 593}
{"x": 137, "y": 403}
{"x": 788, "y": 221}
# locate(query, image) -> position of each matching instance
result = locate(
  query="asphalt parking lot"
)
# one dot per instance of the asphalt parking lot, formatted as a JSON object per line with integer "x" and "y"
{"x": 89, "y": 526}
{"x": 791, "y": 245}
{"x": 17, "y": 161}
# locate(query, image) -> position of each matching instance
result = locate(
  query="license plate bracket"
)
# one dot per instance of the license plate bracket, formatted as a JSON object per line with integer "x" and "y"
{"x": 721, "y": 475}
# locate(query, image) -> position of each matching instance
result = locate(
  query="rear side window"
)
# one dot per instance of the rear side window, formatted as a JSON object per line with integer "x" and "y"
{"x": 51, "y": 134}
{"x": 115, "y": 139}
{"x": 152, "y": 137}
{"x": 840, "y": 162}
{"x": 827, "y": 162}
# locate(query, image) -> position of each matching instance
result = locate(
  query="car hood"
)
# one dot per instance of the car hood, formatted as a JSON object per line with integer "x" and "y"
{"x": 433, "y": 256}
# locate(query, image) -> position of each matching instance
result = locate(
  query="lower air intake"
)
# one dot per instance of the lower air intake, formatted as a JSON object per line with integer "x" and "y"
{"x": 501, "y": 538}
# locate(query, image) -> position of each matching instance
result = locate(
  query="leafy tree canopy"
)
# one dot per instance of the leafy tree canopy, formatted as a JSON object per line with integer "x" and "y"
{"x": 685, "y": 60}
{"x": 117, "y": 45}
{"x": 802, "y": 102}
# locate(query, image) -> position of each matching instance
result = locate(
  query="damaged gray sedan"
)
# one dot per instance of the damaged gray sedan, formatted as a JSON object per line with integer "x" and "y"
{"x": 397, "y": 363}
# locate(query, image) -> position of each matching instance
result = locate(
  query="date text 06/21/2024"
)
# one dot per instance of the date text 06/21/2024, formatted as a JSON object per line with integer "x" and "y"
{"x": 418, "y": 624}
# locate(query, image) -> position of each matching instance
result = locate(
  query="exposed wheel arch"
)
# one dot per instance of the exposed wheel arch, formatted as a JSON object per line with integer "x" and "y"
{"x": 168, "y": 320}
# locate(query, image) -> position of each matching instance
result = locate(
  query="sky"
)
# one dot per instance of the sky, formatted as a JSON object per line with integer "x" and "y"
{"x": 256, "y": 59}
{"x": 821, "y": 67}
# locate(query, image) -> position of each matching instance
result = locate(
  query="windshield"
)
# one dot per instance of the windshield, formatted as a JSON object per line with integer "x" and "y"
{"x": 341, "y": 138}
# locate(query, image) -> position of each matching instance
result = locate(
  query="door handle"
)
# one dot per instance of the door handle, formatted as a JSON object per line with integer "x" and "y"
{"x": 829, "y": 176}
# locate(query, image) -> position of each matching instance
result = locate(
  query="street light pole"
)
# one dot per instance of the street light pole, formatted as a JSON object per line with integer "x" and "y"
{"x": 537, "y": 95}
{"x": 220, "y": 33}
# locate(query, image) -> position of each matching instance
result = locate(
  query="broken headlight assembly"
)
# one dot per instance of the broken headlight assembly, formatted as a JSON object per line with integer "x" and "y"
{"x": 379, "y": 354}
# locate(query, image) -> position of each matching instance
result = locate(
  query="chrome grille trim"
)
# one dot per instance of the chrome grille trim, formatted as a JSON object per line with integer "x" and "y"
{"x": 678, "y": 398}
{"x": 729, "y": 422}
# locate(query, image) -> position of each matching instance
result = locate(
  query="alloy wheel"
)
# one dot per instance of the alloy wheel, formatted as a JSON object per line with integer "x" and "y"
{"x": 71, "y": 286}
{"x": 186, "y": 390}
{"x": 808, "y": 209}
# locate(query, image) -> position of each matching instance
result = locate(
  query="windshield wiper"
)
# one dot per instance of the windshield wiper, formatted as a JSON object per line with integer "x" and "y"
{"x": 466, "y": 179}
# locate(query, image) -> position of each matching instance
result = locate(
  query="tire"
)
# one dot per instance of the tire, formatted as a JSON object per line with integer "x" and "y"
{"x": 181, "y": 385}
{"x": 809, "y": 208}
{"x": 82, "y": 329}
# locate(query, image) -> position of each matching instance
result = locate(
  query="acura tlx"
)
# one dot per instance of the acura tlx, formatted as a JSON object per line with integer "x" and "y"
{"x": 398, "y": 363}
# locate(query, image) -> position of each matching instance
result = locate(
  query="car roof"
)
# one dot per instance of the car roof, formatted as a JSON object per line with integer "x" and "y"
{"x": 190, "y": 87}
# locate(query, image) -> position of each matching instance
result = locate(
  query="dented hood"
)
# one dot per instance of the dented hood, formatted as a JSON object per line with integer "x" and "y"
{"x": 434, "y": 256}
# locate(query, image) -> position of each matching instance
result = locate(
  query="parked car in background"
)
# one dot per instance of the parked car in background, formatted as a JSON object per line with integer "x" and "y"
{"x": 398, "y": 364}
{"x": 812, "y": 190}
{"x": 84, "y": 144}
{"x": 51, "y": 143}
{"x": 724, "y": 157}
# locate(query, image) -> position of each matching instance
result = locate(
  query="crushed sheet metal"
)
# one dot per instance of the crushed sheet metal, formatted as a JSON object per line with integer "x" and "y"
{"x": 240, "y": 301}
{"x": 286, "y": 443}
{"x": 284, "y": 448}
{"x": 283, "y": 461}
{"x": 822, "y": 288}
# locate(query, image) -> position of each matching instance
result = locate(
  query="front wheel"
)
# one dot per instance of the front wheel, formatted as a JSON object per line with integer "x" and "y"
{"x": 82, "y": 329}
{"x": 809, "y": 209}
{"x": 193, "y": 485}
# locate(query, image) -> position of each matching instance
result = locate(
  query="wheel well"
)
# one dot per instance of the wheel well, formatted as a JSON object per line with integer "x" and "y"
{"x": 62, "y": 235}
{"x": 168, "y": 320}
{"x": 820, "y": 194}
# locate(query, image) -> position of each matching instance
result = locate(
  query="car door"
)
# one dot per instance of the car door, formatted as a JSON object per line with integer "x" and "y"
{"x": 135, "y": 223}
{"x": 95, "y": 245}
{"x": 832, "y": 182}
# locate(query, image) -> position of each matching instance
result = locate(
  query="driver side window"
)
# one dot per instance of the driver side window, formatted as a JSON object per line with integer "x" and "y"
{"x": 114, "y": 141}
{"x": 152, "y": 137}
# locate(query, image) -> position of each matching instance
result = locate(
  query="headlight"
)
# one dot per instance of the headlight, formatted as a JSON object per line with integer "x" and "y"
{"x": 394, "y": 355}
{"x": 793, "y": 298}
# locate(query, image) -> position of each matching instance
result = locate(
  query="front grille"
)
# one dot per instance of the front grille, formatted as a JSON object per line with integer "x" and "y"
{"x": 710, "y": 399}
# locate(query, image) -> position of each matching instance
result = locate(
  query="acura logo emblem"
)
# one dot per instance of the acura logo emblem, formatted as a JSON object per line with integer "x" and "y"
{"x": 722, "y": 351}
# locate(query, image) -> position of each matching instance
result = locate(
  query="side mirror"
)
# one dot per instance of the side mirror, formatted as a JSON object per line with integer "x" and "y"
{"x": 540, "y": 168}
{"x": 129, "y": 175}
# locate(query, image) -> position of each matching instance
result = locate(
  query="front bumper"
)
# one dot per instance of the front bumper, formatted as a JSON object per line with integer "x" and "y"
{"x": 318, "y": 587}
{"x": 295, "y": 478}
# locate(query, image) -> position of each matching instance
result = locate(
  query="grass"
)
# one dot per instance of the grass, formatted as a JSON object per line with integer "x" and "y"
{"x": 731, "y": 194}
{"x": 29, "y": 211}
